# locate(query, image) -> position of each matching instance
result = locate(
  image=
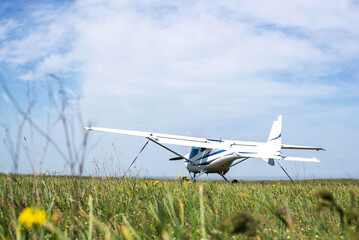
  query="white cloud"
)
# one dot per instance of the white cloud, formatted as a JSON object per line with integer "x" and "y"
{"x": 5, "y": 27}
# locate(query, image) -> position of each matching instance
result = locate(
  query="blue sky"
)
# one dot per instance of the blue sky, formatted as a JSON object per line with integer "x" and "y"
{"x": 217, "y": 69}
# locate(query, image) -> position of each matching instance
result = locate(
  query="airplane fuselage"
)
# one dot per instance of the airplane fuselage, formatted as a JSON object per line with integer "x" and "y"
{"x": 210, "y": 160}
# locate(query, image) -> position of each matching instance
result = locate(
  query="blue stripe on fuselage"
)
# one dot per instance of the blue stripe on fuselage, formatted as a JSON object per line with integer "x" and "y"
{"x": 247, "y": 152}
{"x": 220, "y": 151}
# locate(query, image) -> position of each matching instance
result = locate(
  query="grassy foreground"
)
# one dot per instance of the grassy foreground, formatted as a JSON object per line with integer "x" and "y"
{"x": 62, "y": 207}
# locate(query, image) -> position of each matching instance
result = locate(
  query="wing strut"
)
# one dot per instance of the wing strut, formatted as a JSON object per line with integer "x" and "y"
{"x": 153, "y": 140}
{"x": 238, "y": 162}
{"x": 136, "y": 158}
{"x": 285, "y": 172}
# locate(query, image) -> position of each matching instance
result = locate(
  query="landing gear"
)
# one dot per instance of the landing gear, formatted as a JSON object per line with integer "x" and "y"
{"x": 223, "y": 173}
{"x": 223, "y": 176}
{"x": 194, "y": 178}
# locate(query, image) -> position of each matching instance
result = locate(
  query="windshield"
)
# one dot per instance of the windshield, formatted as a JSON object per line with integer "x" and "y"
{"x": 194, "y": 152}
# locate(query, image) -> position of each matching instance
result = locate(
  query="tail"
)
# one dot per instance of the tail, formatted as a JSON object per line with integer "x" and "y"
{"x": 272, "y": 148}
{"x": 275, "y": 136}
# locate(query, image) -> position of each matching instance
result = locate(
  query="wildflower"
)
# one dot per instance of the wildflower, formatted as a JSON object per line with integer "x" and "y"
{"x": 176, "y": 178}
{"x": 273, "y": 185}
{"x": 189, "y": 182}
{"x": 253, "y": 188}
{"x": 55, "y": 170}
{"x": 32, "y": 216}
{"x": 156, "y": 182}
{"x": 43, "y": 173}
{"x": 179, "y": 176}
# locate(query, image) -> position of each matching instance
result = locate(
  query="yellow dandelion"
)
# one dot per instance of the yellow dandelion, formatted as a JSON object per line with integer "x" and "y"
{"x": 253, "y": 188}
{"x": 179, "y": 176}
{"x": 55, "y": 170}
{"x": 176, "y": 178}
{"x": 189, "y": 182}
{"x": 32, "y": 216}
{"x": 273, "y": 185}
{"x": 156, "y": 182}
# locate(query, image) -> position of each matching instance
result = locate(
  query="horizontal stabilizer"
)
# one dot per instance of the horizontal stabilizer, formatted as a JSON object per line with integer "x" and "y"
{"x": 286, "y": 146}
{"x": 299, "y": 159}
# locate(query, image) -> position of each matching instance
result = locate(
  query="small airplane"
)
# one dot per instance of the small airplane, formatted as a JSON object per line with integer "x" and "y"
{"x": 217, "y": 155}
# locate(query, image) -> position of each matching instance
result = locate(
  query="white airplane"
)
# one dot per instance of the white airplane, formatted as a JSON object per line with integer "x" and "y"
{"x": 218, "y": 156}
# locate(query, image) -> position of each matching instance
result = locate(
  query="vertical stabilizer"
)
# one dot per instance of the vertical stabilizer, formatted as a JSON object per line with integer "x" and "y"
{"x": 272, "y": 148}
{"x": 276, "y": 131}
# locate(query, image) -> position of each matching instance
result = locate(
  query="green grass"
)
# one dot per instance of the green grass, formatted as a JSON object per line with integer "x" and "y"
{"x": 112, "y": 208}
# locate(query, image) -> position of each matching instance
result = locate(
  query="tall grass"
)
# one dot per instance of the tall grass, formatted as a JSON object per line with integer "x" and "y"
{"x": 128, "y": 208}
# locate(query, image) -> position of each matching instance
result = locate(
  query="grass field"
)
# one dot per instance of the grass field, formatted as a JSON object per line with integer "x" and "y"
{"x": 63, "y": 207}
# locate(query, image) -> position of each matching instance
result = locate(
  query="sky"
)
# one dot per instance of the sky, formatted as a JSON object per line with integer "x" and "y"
{"x": 212, "y": 69}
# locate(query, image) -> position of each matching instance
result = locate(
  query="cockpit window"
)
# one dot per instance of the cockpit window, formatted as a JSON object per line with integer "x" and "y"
{"x": 202, "y": 149}
{"x": 194, "y": 152}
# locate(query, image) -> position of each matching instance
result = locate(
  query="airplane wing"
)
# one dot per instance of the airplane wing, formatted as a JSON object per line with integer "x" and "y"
{"x": 286, "y": 146}
{"x": 243, "y": 148}
{"x": 300, "y": 159}
{"x": 167, "y": 138}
